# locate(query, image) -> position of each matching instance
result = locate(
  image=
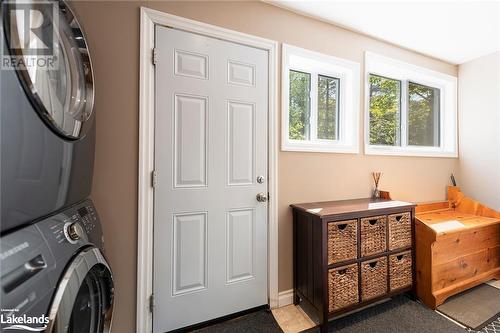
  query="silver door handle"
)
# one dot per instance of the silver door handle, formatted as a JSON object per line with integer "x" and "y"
{"x": 261, "y": 197}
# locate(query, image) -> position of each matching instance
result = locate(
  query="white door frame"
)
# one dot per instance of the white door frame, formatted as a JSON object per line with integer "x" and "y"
{"x": 150, "y": 18}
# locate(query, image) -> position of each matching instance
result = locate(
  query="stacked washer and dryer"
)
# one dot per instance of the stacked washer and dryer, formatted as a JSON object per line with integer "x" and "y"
{"x": 51, "y": 245}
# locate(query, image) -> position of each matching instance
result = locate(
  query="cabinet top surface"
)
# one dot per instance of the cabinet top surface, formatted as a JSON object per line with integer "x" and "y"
{"x": 332, "y": 208}
{"x": 449, "y": 220}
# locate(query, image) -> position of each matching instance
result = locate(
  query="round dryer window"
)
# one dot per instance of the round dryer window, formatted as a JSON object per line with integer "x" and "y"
{"x": 52, "y": 62}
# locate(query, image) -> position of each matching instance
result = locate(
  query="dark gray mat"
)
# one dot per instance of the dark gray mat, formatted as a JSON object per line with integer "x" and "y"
{"x": 257, "y": 322}
{"x": 474, "y": 308}
{"x": 400, "y": 315}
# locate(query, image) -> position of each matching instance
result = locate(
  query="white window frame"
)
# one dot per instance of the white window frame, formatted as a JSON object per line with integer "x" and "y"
{"x": 348, "y": 73}
{"x": 394, "y": 69}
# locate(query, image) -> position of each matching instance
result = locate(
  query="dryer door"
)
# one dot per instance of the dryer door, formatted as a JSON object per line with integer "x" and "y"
{"x": 52, "y": 63}
{"x": 83, "y": 302}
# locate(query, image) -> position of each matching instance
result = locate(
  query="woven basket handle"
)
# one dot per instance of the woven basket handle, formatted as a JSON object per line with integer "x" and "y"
{"x": 373, "y": 264}
{"x": 399, "y": 257}
{"x": 342, "y": 271}
{"x": 373, "y": 221}
{"x": 399, "y": 217}
{"x": 342, "y": 226}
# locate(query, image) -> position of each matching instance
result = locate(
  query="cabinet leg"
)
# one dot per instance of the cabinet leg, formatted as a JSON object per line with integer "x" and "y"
{"x": 323, "y": 328}
{"x": 296, "y": 298}
{"x": 412, "y": 294}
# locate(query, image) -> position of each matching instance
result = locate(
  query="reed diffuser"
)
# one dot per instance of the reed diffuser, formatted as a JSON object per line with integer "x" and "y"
{"x": 376, "y": 180}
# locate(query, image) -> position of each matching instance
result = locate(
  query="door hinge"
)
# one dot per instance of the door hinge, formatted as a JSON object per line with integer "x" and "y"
{"x": 153, "y": 178}
{"x": 151, "y": 302}
{"x": 155, "y": 56}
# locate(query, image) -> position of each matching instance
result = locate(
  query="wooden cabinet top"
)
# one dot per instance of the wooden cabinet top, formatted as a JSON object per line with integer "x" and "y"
{"x": 459, "y": 213}
{"x": 328, "y": 209}
{"x": 446, "y": 221}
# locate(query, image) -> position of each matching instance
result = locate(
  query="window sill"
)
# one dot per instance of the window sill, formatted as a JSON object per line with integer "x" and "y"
{"x": 409, "y": 151}
{"x": 319, "y": 147}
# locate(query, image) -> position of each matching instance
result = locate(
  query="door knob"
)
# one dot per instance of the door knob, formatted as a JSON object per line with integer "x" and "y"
{"x": 261, "y": 197}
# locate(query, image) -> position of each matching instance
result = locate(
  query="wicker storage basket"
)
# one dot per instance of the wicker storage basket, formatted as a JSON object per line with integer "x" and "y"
{"x": 400, "y": 270}
{"x": 342, "y": 287}
{"x": 399, "y": 230}
{"x": 342, "y": 241}
{"x": 373, "y": 235}
{"x": 373, "y": 278}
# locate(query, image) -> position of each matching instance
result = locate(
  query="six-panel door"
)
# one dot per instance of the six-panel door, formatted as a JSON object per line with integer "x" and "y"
{"x": 210, "y": 232}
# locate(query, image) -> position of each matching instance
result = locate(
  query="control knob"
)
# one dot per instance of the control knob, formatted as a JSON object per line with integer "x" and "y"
{"x": 73, "y": 232}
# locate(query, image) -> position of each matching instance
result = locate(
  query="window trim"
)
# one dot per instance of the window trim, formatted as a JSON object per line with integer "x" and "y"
{"x": 348, "y": 74}
{"x": 394, "y": 69}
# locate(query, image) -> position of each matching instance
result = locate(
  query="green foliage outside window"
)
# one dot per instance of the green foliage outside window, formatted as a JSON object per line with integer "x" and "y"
{"x": 299, "y": 105}
{"x": 327, "y": 107}
{"x": 384, "y": 111}
{"x": 423, "y": 115}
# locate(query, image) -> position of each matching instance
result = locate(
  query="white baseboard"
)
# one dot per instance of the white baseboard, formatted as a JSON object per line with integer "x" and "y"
{"x": 285, "y": 298}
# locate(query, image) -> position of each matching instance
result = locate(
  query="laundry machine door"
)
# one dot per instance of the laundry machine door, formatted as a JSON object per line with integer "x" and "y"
{"x": 83, "y": 302}
{"x": 59, "y": 80}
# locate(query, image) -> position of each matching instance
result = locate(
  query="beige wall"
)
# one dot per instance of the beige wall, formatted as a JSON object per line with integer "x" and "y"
{"x": 113, "y": 35}
{"x": 479, "y": 101}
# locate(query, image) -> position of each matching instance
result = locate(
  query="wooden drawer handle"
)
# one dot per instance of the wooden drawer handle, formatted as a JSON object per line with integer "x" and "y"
{"x": 342, "y": 271}
{"x": 399, "y": 217}
{"x": 342, "y": 226}
{"x": 373, "y": 221}
{"x": 399, "y": 257}
{"x": 373, "y": 264}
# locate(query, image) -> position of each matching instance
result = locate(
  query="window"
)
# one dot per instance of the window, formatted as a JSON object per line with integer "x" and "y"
{"x": 423, "y": 115}
{"x": 410, "y": 110}
{"x": 320, "y": 102}
{"x": 328, "y": 111}
{"x": 300, "y": 105}
{"x": 385, "y": 111}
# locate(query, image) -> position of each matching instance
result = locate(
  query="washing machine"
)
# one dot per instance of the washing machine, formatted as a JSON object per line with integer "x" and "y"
{"x": 54, "y": 277}
{"x": 47, "y": 123}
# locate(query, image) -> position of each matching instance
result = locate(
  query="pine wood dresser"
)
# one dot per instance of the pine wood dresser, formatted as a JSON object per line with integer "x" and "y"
{"x": 457, "y": 248}
{"x": 351, "y": 253}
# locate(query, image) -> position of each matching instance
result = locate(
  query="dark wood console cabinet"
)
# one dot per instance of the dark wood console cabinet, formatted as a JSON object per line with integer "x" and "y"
{"x": 348, "y": 254}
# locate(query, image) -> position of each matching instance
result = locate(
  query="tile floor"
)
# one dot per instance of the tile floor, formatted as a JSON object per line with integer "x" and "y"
{"x": 495, "y": 283}
{"x": 292, "y": 319}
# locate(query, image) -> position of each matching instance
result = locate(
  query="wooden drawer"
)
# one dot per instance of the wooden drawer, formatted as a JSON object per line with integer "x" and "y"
{"x": 399, "y": 230}
{"x": 454, "y": 245}
{"x": 342, "y": 241}
{"x": 373, "y": 278}
{"x": 400, "y": 270}
{"x": 465, "y": 267}
{"x": 342, "y": 287}
{"x": 373, "y": 235}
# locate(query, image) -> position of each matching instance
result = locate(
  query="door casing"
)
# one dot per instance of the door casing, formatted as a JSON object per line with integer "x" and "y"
{"x": 149, "y": 19}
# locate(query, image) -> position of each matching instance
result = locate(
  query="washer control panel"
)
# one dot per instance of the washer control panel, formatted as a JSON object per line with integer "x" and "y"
{"x": 76, "y": 225}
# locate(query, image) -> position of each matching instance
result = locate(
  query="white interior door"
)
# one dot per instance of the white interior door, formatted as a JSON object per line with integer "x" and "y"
{"x": 210, "y": 232}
